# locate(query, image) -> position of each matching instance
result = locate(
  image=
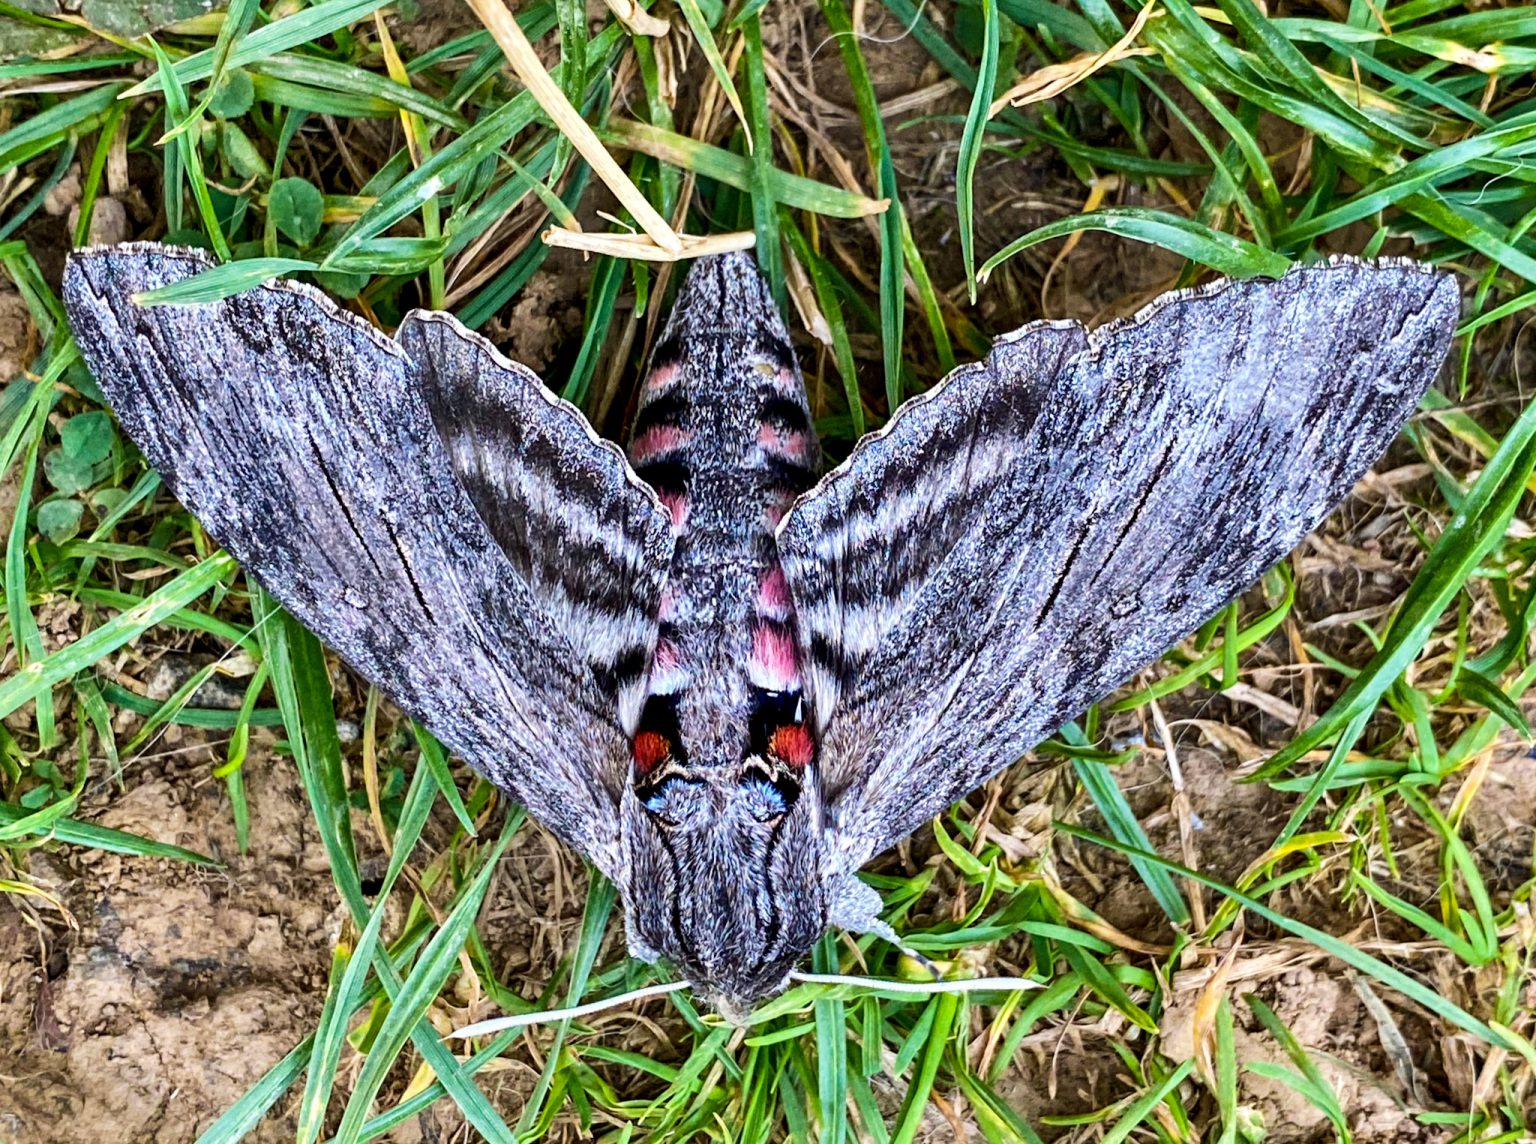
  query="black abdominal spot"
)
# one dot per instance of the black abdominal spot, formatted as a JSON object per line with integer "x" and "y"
{"x": 665, "y": 476}
{"x": 785, "y": 470}
{"x": 770, "y": 711}
{"x": 776, "y": 350}
{"x": 785, "y": 415}
{"x": 660, "y": 717}
{"x": 668, "y": 410}
{"x": 789, "y": 477}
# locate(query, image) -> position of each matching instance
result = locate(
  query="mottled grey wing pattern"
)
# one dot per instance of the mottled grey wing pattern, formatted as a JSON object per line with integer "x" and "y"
{"x": 1024, "y": 538}
{"x": 300, "y": 437}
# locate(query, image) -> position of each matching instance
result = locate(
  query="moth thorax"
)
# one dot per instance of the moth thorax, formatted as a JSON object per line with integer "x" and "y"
{"x": 764, "y": 784}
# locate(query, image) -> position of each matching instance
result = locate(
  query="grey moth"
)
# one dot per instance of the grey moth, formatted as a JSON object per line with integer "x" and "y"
{"x": 727, "y": 680}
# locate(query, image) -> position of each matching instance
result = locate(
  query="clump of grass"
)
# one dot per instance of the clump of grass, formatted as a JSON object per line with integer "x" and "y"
{"x": 317, "y": 141}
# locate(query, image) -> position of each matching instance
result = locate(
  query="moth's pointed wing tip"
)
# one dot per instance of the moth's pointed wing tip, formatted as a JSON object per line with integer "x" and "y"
{"x": 1414, "y": 285}
{"x": 419, "y": 318}
{"x": 1419, "y": 294}
{"x": 1445, "y": 298}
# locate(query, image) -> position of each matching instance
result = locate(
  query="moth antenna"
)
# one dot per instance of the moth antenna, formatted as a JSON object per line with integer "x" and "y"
{"x": 885, "y": 985}
{"x": 497, "y": 1024}
{"x": 922, "y": 960}
{"x": 885, "y": 933}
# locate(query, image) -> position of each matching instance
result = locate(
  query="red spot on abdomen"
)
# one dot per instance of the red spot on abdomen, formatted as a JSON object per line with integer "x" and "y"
{"x": 650, "y": 751}
{"x": 793, "y": 745}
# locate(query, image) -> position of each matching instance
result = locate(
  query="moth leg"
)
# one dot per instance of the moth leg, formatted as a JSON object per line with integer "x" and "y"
{"x": 855, "y": 906}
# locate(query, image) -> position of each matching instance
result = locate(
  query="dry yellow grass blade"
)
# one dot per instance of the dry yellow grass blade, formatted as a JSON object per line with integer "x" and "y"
{"x": 802, "y": 295}
{"x": 1207, "y": 1004}
{"x": 498, "y": 20}
{"x": 1049, "y": 82}
{"x": 640, "y": 245}
{"x": 637, "y": 19}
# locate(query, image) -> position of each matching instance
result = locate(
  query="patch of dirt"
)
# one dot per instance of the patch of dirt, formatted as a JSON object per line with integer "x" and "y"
{"x": 182, "y": 985}
{"x": 18, "y": 337}
{"x": 1062, "y": 1072}
{"x": 1501, "y": 820}
{"x": 545, "y": 318}
{"x": 1324, "y": 1010}
{"x": 18, "y": 340}
{"x": 425, "y": 24}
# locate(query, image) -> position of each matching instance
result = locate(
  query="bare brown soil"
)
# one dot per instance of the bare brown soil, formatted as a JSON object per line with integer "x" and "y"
{"x": 179, "y": 987}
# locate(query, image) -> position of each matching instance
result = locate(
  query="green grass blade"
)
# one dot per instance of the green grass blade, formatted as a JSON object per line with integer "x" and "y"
{"x": 1335, "y": 947}
{"x": 38, "y": 133}
{"x": 971, "y": 140}
{"x": 699, "y": 26}
{"x": 1106, "y": 794}
{"x": 408, "y": 1006}
{"x": 893, "y": 274}
{"x": 35, "y": 678}
{"x": 302, "y": 686}
{"x": 435, "y": 760}
{"x": 1197, "y": 242}
{"x": 303, "y": 27}
{"x": 741, "y": 173}
{"x": 25, "y": 637}
{"x": 765, "y": 209}
{"x": 14, "y": 822}
{"x": 945, "y": 1008}
{"x": 832, "y": 310}
{"x": 349, "y": 977}
{"x": 1143, "y": 1107}
{"x": 831, "y": 1031}
{"x": 242, "y": 1117}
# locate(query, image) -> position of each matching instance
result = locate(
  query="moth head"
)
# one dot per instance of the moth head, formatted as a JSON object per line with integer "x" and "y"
{"x": 723, "y": 861}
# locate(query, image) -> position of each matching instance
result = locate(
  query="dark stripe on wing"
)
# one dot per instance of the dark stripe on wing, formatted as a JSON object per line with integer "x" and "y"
{"x": 833, "y": 659}
{"x": 628, "y": 668}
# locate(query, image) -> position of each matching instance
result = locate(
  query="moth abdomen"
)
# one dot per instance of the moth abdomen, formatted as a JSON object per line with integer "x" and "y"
{"x": 722, "y": 818}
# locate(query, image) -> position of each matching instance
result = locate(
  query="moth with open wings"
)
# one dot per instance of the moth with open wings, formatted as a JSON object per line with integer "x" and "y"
{"x": 726, "y": 683}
